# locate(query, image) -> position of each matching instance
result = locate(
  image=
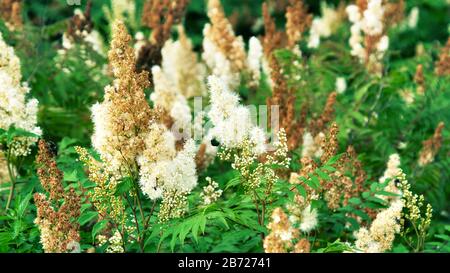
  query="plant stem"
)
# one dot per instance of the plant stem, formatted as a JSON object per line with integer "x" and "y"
{"x": 13, "y": 183}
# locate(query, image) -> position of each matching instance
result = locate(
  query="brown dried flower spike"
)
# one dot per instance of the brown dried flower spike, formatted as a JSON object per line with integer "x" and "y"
{"x": 56, "y": 216}
{"x": 419, "y": 79}
{"x": 11, "y": 13}
{"x": 431, "y": 146}
{"x": 443, "y": 64}
{"x": 48, "y": 172}
{"x": 160, "y": 16}
{"x": 80, "y": 23}
{"x": 222, "y": 34}
{"x": 297, "y": 21}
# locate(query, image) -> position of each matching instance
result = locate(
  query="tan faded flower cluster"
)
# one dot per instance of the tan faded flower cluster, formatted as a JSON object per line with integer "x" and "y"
{"x": 345, "y": 181}
{"x": 431, "y": 146}
{"x": 81, "y": 31}
{"x": 57, "y": 215}
{"x": 11, "y": 13}
{"x": 381, "y": 234}
{"x": 282, "y": 236}
{"x": 4, "y": 173}
{"x": 297, "y": 21}
{"x": 181, "y": 64}
{"x": 443, "y": 64}
{"x": 160, "y": 16}
{"x": 122, "y": 120}
{"x": 419, "y": 79}
{"x": 224, "y": 52}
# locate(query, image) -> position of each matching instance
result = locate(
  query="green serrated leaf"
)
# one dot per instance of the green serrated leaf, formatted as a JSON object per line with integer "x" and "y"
{"x": 87, "y": 217}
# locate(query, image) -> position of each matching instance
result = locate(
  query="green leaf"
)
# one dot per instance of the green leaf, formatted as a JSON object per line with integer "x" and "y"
{"x": 355, "y": 200}
{"x": 302, "y": 191}
{"x": 124, "y": 187}
{"x": 87, "y": 217}
{"x": 99, "y": 226}
{"x": 323, "y": 175}
{"x": 71, "y": 176}
{"x": 333, "y": 160}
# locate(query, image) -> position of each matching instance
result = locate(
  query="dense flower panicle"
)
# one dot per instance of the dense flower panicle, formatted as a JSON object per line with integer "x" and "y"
{"x": 394, "y": 12}
{"x": 57, "y": 221}
{"x": 59, "y": 228}
{"x": 232, "y": 122}
{"x": 281, "y": 233}
{"x": 217, "y": 61}
{"x": 180, "y": 63}
{"x": 368, "y": 40}
{"x": 221, "y": 34}
{"x": 283, "y": 97}
{"x": 11, "y": 13}
{"x": 81, "y": 29}
{"x": 168, "y": 97}
{"x": 15, "y": 110}
{"x": 131, "y": 137}
{"x": 324, "y": 26}
{"x": 224, "y": 52}
{"x": 312, "y": 146}
{"x": 297, "y": 21}
{"x": 48, "y": 172}
{"x": 431, "y": 146}
{"x": 391, "y": 172}
{"x": 168, "y": 175}
{"x": 254, "y": 60}
{"x": 381, "y": 234}
{"x": 160, "y": 16}
{"x": 442, "y": 66}
{"x": 331, "y": 145}
{"x": 211, "y": 192}
{"x": 122, "y": 120}
{"x": 413, "y": 18}
{"x": 282, "y": 236}
{"x": 273, "y": 39}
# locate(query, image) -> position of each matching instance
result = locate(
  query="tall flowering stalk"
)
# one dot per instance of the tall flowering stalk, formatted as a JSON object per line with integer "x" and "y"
{"x": 443, "y": 64}
{"x": 135, "y": 144}
{"x": 431, "y": 146}
{"x": 57, "y": 214}
{"x": 224, "y": 52}
{"x": 81, "y": 30}
{"x": 123, "y": 119}
{"x": 160, "y": 16}
{"x": 15, "y": 112}
{"x": 368, "y": 40}
{"x": 244, "y": 143}
{"x": 180, "y": 63}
